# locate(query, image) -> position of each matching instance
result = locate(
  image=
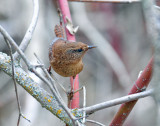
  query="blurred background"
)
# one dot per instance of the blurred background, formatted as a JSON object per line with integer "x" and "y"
{"x": 110, "y": 70}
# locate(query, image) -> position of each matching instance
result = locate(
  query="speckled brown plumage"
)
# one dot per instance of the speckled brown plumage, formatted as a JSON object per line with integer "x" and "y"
{"x": 66, "y": 57}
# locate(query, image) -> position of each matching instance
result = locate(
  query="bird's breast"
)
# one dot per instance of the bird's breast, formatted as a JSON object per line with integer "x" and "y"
{"x": 67, "y": 68}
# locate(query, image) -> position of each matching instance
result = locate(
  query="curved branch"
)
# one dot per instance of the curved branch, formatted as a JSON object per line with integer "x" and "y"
{"x": 47, "y": 100}
{"x": 26, "y": 40}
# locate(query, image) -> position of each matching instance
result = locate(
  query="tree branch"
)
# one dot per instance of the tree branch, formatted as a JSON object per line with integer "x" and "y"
{"x": 47, "y": 100}
{"x": 66, "y": 15}
{"x": 95, "y": 122}
{"x": 106, "y": 1}
{"x": 27, "y": 38}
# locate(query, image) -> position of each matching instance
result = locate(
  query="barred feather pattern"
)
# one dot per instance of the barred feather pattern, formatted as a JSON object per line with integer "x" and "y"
{"x": 59, "y": 31}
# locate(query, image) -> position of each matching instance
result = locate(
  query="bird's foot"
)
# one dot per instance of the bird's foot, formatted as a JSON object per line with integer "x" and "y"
{"x": 49, "y": 70}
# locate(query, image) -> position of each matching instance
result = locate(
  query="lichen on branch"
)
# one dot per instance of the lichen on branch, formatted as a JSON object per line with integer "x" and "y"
{"x": 47, "y": 100}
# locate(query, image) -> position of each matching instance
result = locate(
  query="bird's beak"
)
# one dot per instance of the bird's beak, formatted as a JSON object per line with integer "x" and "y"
{"x": 90, "y": 47}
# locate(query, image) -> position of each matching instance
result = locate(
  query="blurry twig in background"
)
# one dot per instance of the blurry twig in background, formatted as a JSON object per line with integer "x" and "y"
{"x": 107, "y": 1}
{"x": 103, "y": 45}
{"x": 27, "y": 38}
{"x": 153, "y": 28}
{"x": 48, "y": 101}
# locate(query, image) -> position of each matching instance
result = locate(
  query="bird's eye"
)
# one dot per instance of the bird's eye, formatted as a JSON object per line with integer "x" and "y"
{"x": 80, "y": 50}
{"x": 75, "y": 50}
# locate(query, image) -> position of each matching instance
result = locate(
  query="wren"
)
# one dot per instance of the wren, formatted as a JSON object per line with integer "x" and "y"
{"x": 66, "y": 57}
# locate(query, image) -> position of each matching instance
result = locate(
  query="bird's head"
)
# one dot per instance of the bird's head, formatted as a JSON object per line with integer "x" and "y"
{"x": 76, "y": 50}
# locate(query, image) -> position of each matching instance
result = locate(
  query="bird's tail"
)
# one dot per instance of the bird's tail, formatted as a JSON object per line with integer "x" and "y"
{"x": 59, "y": 31}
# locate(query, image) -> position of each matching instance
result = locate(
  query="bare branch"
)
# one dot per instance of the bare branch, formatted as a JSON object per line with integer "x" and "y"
{"x": 14, "y": 81}
{"x": 27, "y": 38}
{"x": 47, "y": 100}
{"x": 32, "y": 69}
{"x": 47, "y": 74}
{"x": 128, "y": 98}
{"x": 95, "y": 122}
{"x": 107, "y": 1}
{"x": 13, "y": 43}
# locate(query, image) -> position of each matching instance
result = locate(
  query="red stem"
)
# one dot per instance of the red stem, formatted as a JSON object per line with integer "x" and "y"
{"x": 66, "y": 13}
{"x": 141, "y": 84}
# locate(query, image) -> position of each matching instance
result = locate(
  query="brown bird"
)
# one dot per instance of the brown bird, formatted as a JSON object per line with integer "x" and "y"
{"x": 66, "y": 57}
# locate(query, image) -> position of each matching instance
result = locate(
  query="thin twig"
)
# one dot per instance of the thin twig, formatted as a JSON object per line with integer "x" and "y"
{"x": 104, "y": 46}
{"x": 59, "y": 84}
{"x": 15, "y": 85}
{"x": 95, "y": 122}
{"x": 78, "y": 90}
{"x": 32, "y": 69}
{"x": 63, "y": 4}
{"x": 84, "y": 104}
{"x": 29, "y": 33}
{"x": 128, "y": 98}
{"x": 48, "y": 75}
{"x": 48, "y": 101}
{"x": 106, "y": 1}
{"x": 13, "y": 43}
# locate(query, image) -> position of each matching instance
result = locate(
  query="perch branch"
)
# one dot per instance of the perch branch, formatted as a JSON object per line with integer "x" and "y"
{"x": 139, "y": 86}
{"x": 14, "y": 81}
{"x": 47, "y": 100}
{"x": 95, "y": 122}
